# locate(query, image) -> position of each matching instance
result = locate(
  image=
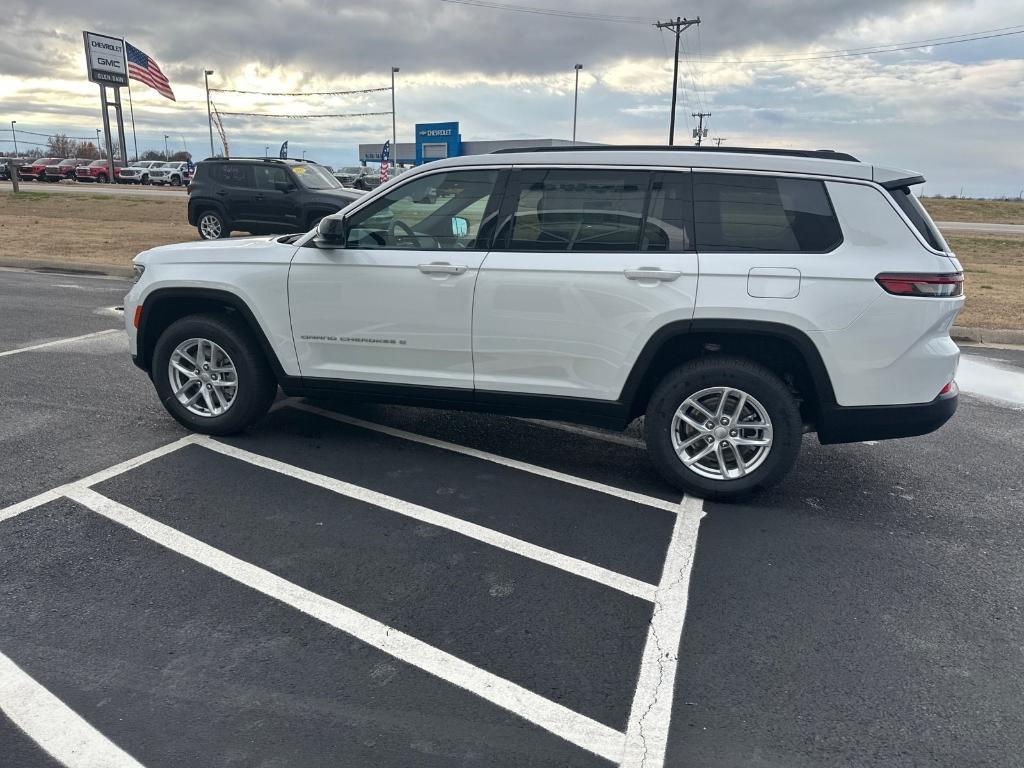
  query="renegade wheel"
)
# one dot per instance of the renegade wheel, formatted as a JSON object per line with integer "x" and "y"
{"x": 211, "y": 226}
{"x": 211, "y": 375}
{"x": 721, "y": 427}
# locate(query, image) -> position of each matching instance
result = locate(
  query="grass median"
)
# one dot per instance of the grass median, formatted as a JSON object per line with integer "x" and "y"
{"x": 88, "y": 230}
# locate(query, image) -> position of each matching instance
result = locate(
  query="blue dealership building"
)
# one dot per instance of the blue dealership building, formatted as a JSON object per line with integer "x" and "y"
{"x": 436, "y": 141}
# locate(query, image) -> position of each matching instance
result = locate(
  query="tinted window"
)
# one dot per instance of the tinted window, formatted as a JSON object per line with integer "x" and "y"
{"x": 912, "y": 207}
{"x": 738, "y": 212}
{"x": 669, "y": 224}
{"x": 232, "y": 175}
{"x": 269, "y": 176}
{"x": 439, "y": 210}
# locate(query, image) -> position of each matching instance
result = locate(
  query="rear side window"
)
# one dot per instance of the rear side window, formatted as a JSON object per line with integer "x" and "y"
{"x": 919, "y": 217}
{"x": 748, "y": 213}
{"x": 231, "y": 175}
{"x": 592, "y": 210}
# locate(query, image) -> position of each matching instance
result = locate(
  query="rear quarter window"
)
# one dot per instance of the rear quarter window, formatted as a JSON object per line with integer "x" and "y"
{"x": 770, "y": 214}
{"x": 911, "y": 206}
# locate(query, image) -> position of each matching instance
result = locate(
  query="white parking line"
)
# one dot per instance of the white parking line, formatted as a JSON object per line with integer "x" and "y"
{"x": 572, "y": 565}
{"x": 593, "y": 485}
{"x": 559, "y": 720}
{"x": 70, "y": 340}
{"x": 53, "y": 725}
{"x": 97, "y": 477}
{"x": 651, "y": 713}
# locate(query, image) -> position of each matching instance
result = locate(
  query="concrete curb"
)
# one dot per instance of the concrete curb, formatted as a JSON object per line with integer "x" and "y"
{"x": 987, "y": 335}
{"x": 68, "y": 268}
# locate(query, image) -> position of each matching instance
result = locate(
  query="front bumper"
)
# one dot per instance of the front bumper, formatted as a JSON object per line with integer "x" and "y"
{"x": 851, "y": 424}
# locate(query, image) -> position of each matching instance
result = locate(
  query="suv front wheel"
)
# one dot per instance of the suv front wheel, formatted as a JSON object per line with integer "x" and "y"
{"x": 721, "y": 427}
{"x": 211, "y": 226}
{"x": 211, "y": 374}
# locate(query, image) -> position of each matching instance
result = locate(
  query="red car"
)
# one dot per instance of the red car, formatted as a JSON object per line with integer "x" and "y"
{"x": 98, "y": 171}
{"x": 36, "y": 169}
{"x": 65, "y": 169}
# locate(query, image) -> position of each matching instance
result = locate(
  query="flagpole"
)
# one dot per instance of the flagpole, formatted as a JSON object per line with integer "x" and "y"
{"x": 131, "y": 108}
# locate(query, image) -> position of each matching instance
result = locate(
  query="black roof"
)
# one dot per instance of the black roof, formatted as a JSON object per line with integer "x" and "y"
{"x": 821, "y": 154}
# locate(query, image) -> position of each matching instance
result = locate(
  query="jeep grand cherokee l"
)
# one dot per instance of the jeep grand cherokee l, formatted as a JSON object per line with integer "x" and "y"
{"x": 735, "y": 299}
{"x": 262, "y": 196}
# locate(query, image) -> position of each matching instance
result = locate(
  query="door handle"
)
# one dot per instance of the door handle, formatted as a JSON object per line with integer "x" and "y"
{"x": 442, "y": 268}
{"x": 222, "y": 192}
{"x": 258, "y": 197}
{"x": 651, "y": 273}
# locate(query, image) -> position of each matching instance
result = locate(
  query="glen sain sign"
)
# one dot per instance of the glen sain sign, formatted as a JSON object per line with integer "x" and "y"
{"x": 106, "y": 60}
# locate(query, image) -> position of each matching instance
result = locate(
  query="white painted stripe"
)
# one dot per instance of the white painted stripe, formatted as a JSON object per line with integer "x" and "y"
{"x": 559, "y": 720}
{"x": 651, "y": 713}
{"x": 53, "y": 725}
{"x": 597, "y": 434}
{"x": 572, "y": 565}
{"x": 97, "y": 477}
{"x": 72, "y": 339}
{"x": 593, "y": 485}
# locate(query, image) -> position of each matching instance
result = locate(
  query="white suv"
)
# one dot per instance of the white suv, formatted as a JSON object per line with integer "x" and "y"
{"x": 735, "y": 299}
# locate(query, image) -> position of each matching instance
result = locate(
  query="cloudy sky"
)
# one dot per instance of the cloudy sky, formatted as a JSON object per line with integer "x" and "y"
{"x": 954, "y": 112}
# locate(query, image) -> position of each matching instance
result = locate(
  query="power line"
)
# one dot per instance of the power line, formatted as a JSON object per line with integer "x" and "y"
{"x": 967, "y": 37}
{"x": 581, "y": 15}
{"x": 307, "y": 93}
{"x": 54, "y": 135}
{"x": 303, "y": 117}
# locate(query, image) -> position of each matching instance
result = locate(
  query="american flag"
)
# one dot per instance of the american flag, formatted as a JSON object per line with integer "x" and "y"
{"x": 384, "y": 156}
{"x": 145, "y": 70}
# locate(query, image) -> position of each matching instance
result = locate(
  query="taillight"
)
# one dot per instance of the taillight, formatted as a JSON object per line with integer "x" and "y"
{"x": 932, "y": 286}
{"x": 138, "y": 316}
{"x": 949, "y": 389}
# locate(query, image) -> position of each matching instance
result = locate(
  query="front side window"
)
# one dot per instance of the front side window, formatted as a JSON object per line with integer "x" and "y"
{"x": 268, "y": 177}
{"x": 749, "y": 213}
{"x": 434, "y": 211}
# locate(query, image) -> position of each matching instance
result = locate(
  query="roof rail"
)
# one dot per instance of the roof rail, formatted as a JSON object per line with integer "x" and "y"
{"x": 821, "y": 154}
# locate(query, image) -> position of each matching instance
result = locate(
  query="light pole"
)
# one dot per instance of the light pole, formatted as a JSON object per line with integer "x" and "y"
{"x": 266, "y": 151}
{"x": 394, "y": 131}
{"x": 98, "y": 145}
{"x": 575, "y": 101}
{"x": 15, "y": 137}
{"x": 303, "y": 154}
{"x": 209, "y": 115}
{"x": 167, "y": 152}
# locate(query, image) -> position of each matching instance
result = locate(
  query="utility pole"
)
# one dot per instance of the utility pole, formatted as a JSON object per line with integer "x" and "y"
{"x": 14, "y": 136}
{"x": 700, "y": 132}
{"x": 167, "y": 152}
{"x": 394, "y": 129}
{"x": 209, "y": 115}
{"x": 576, "y": 101}
{"x": 98, "y": 142}
{"x": 679, "y": 25}
{"x": 718, "y": 141}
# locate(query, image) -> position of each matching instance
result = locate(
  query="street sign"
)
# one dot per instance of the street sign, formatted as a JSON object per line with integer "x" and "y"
{"x": 105, "y": 59}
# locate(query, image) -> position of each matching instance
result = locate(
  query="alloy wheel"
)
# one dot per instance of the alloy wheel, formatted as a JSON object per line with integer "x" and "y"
{"x": 203, "y": 377}
{"x": 721, "y": 433}
{"x": 209, "y": 226}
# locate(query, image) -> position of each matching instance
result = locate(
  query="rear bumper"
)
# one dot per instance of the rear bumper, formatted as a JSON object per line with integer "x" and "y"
{"x": 850, "y": 424}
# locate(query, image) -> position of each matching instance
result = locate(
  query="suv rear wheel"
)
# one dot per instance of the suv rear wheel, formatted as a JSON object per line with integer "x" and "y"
{"x": 211, "y": 375}
{"x": 211, "y": 226}
{"x": 721, "y": 427}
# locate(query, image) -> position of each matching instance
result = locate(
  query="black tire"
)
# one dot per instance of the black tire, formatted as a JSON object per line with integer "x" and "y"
{"x": 257, "y": 385}
{"x": 175, "y": 181}
{"x": 751, "y": 378}
{"x": 145, "y": 180}
{"x": 214, "y": 224}
{"x": 101, "y": 179}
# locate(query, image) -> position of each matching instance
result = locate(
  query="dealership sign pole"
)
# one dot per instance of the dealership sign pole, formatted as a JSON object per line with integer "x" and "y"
{"x": 108, "y": 67}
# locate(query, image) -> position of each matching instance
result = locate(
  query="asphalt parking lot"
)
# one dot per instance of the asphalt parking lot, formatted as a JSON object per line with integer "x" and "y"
{"x": 364, "y": 585}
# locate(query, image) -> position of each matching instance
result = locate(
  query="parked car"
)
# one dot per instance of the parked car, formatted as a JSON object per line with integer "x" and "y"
{"x": 98, "y": 171}
{"x": 174, "y": 173}
{"x": 35, "y": 170}
{"x": 5, "y": 167}
{"x": 262, "y": 195}
{"x": 138, "y": 172}
{"x": 65, "y": 169}
{"x": 734, "y": 299}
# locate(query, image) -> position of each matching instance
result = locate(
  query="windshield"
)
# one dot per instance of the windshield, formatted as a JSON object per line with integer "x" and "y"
{"x": 98, "y": 162}
{"x": 167, "y": 165}
{"x": 315, "y": 177}
{"x": 67, "y": 162}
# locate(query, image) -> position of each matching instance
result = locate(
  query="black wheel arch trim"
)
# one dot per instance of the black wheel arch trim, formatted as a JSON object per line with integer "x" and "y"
{"x": 197, "y": 207}
{"x": 145, "y": 345}
{"x": 682, "y": 328}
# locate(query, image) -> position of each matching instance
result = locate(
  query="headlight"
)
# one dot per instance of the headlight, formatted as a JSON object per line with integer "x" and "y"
{"x": 137, "y": 270}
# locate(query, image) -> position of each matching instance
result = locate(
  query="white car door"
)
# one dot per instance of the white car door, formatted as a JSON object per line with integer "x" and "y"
{"x": 587, "y": 263}
{"x": 394, "y": 304}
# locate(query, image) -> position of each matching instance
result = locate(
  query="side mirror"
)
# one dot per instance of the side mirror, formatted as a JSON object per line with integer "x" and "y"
{"x": 460, "y": 227}
{"x": 284, "y": 186}
{"x": 331, "y": 232}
